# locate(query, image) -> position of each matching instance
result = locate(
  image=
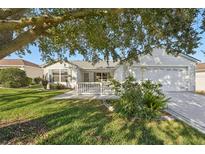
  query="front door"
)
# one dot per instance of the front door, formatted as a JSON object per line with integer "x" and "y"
{"x": 86, "y": 77}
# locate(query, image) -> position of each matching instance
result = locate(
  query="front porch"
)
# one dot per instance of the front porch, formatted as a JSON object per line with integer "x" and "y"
{"x": 84, "y": 81}
{"x": 97, "y": 88}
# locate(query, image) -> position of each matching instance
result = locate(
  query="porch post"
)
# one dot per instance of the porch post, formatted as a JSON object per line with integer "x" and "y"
{"x": 49, "y": 80}
{"x": 76, "y": 89}
{"x": 59, "y": 71}
{"x": 101, "y": 88}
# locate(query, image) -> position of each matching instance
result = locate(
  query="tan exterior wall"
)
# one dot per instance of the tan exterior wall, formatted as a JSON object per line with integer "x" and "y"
{"x": 33, "y": 72}
{"x": 200, "y": 81}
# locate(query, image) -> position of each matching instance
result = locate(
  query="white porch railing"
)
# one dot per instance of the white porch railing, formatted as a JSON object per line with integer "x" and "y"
{"x": 94, "y": 88}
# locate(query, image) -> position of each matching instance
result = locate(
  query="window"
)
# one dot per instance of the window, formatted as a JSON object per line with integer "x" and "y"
{"x": 104, "y": 76}
{"x": 59, "y": 75}
{"x": 101, "y": 77}
{"x": 97, "y": 77}
{"x": 55, "y": 74}
{"x": 64, "y": 75}
{"x": 86, "y": 77}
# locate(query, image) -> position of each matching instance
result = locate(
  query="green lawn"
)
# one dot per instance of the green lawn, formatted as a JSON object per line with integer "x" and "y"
{"x": 29, "y": 116}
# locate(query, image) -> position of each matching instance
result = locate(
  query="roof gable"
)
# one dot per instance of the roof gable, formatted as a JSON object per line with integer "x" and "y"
{"x": 98, "y": 65}
{"x": 160, "y": 57}
{"x": 88, "y": 65}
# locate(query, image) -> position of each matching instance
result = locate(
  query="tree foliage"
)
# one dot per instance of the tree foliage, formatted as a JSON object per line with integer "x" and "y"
{"x": 119, "y": 34}
{"x": 14, "y": 78}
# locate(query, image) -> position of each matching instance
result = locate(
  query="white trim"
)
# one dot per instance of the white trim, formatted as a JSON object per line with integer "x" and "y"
{"x": 190, "y": 58}
{"x": 101, "y": 69}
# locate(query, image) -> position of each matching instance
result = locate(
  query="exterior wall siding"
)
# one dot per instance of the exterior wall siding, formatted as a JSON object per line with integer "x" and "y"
{"x": 119, "y": 73}
{"x": 159, "y": 58}
{"x": 71, "y": 68}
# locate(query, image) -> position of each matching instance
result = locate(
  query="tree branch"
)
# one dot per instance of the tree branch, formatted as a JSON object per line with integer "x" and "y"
{"x": 19, "y": 42}
{"x": 5, "y": 13}
{"x": 43, "y": 23}
{"x": 40, "y": 20}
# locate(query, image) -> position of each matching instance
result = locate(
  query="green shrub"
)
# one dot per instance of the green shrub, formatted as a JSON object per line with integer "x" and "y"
{"x": 57, "y": 86}
{"x": 37, "y": 80}
{"x": 29, "y": 81}
{"x": 13, "y": 78}
{"x": 44, "y": 83}
{"x": 0, "y": 74}
{"x": 130, "y": 102}
{"x": 143, "y": 100}
{"x": 154, "y": 104}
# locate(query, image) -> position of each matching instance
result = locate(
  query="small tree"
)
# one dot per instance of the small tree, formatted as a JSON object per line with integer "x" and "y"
{"x": 13, "y": 78}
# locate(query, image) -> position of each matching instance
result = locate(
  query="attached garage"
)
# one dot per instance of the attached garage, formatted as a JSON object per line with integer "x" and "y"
{"x": 174, "y": 73}
{"x": 172, "y": 78}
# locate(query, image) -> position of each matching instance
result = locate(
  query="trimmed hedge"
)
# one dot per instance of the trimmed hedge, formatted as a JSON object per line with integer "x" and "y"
{"x": 37, "y": 80}
{"x": 57, "y": 86}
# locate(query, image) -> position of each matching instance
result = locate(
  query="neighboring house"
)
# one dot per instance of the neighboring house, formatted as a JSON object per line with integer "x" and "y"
{"x": 200, "y": 77}
{"x": 174, "y": 73}
{"x": 32, "y": 70}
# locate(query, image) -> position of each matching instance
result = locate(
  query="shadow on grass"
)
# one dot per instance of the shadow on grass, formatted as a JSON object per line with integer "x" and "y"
{"x": 22, "y": 99}
{"x": 25, "y": 132}
{"x": 141, "y": 133}
{"x": 80, "y": 122}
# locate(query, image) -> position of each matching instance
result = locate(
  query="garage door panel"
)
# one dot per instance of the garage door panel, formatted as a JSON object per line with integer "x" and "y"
{"x": 172, "y": 79}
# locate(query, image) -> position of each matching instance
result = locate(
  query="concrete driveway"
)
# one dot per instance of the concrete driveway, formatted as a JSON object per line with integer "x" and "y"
{"x": 189, "y": 107}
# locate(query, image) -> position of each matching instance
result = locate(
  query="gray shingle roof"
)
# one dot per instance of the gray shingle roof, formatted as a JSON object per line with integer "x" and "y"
{"x": 99, "y": 65}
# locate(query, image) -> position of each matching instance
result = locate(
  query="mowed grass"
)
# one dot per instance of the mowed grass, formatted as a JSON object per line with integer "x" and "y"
{"x": 30, "y": 116}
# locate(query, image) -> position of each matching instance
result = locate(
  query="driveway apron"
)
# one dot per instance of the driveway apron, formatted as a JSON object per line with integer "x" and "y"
{"x": 188, "y": 107}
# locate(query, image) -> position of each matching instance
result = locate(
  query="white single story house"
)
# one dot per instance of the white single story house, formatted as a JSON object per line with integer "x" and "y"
{"x": 174, "y": 73}
{"x": 200, "y": 77}
{"x": 32, "y": 70}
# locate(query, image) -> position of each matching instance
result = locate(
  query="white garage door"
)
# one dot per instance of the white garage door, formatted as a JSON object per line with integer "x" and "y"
{"x": 172, "y": 79}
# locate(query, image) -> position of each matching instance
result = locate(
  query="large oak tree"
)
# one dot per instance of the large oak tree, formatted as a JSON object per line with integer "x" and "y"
{"x": 120, "y": 34}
